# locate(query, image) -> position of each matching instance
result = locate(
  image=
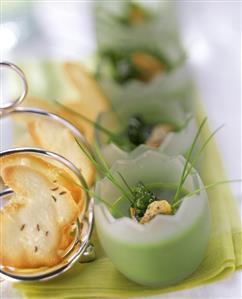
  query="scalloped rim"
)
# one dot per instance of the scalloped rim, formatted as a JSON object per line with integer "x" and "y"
{"x": 159, "y": 218}
{"x": 169, "y": 137}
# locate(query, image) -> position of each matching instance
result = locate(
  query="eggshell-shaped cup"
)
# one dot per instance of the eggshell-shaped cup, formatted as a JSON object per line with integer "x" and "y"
{"x": 173, "y": 86}
{"x": 158, "y": 34}
{"x": 152, "y": 111}
{"x": 167, "y": 249}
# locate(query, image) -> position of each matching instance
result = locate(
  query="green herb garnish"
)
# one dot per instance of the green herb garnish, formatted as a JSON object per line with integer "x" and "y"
{"x": 138, "y": 64}
{"x": 120, "y": 139}
{"x": 136, "y": 132}
{"x": 140, "y": 196}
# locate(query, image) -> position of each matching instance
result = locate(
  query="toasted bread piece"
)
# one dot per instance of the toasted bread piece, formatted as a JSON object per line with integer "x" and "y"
{"x": 25, "y": 140}
{"x": 87, "y": 85}
{"x": 35, "y": 222}
{"x": 51, "y": 107}
{"x": 89, "y": 100}
{"x": 1, "y": 183}
{"x": 54, "y": 137}
{"x": 40, "y": 103}
{"x": 92, "y": 100}
{"x": 58, "y": 176}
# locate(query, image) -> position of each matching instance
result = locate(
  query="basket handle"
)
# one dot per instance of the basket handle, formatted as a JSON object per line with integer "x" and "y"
{"x": 8, "y": 107}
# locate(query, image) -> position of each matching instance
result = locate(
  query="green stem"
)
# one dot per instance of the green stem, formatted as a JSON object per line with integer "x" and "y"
{"x": 125, "y": 182}
{"x": 195, "y": 159}
{"x": 104, "y": 164}
{"x": 188, "y": 159}
{"x": 93, "y": 194}
{"x": 83, "y": 117}
{"x": 91, "y": 158}
{"x": 100, "y": 157}
{"x": 121, "y": 197}
{"x": 184, "y": 125}
{"x": 103, "y": 170}
{"x": 152, "y": 185}
{"x": 171, "y": 186}
{"x": 110, "y": 206}
{"x": 120, "y": 188}
{"x": 209, "y": 186}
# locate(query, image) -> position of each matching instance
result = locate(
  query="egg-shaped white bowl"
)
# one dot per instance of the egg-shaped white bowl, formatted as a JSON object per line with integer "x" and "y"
{"x": 152, "y": 111}
{"x": 167, "y": 249}
{"x": 173, "y": 86}
{"x": 158, "y": 34}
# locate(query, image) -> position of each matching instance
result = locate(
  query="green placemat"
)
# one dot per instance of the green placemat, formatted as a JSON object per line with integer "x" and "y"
{"x": 100, "y": 279}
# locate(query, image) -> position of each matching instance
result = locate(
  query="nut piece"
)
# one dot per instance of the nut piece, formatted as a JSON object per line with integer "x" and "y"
{"x": 158, "y": 135}
{"x": 136, "y": 16}
{"x": 155, "y": 208}
{"x": 148, "y": 65}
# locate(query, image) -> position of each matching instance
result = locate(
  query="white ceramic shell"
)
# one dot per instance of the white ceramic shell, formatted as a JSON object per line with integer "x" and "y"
{"x": 158, "y": 35}
{"x": 153, "y": 110}
{"x": 175, "y": 86}
{"x": 168, "y": 248}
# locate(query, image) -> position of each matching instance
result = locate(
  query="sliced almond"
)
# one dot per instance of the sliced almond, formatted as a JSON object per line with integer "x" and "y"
{"x": 155, "y": 208}
{"x": 158, "y": 135}
{"x": 148, "y": 65}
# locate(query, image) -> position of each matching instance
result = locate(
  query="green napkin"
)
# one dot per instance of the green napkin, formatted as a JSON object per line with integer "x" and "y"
{"x": 100, "y": 279}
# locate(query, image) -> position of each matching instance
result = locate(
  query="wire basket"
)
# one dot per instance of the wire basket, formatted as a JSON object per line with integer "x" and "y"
{"x": 80, "y": 248}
